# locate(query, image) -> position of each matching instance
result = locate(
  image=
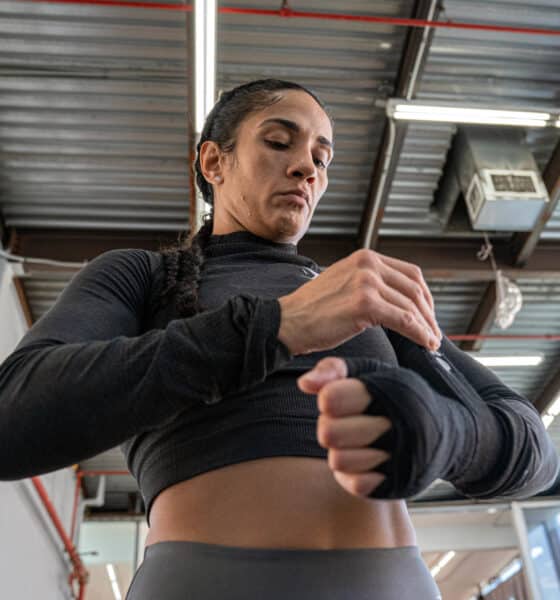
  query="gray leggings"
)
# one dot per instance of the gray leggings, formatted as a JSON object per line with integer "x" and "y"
{"x": 200, "y": 571}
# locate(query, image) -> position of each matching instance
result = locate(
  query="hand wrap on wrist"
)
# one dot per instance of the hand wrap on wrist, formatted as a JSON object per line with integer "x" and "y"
{"x": 427, "y": 436}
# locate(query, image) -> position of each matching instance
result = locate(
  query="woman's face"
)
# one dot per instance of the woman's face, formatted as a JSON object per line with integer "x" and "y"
{"x": 271, "y": 158}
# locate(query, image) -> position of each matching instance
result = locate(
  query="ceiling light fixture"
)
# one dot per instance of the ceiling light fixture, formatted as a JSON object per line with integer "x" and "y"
{"x": 442, "y": 562}
{"x": 551, "y": 412}
{"x": 530, "y": 360}
{"x": 506, "y": 573}
{"x": 547, "y": 420}
{"x": 205, "y": 59}
{"x": 114, "y": 583}
{"x": 205, "y": 75}
{"x": 417, "y": 111}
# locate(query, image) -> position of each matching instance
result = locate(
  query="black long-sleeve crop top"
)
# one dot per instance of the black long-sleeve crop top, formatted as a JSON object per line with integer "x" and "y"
{"x": 110, "y": 365}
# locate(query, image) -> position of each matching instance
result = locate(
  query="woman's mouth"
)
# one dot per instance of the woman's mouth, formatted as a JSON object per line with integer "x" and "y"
{"x": 296, "y": 199}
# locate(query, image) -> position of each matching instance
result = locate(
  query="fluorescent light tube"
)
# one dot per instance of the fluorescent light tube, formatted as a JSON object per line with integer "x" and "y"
{"x": 474, "y": 120}
{"x": 442, "y": 562}
{"x": 412, "y": 111}
{"x": 114, "y": 583}
{"x": 475, "y": 112}
{"x": 510, "y": 569}
{"x": 547, "y": 420}
{"x": 509, "y": 361}
{"x": 205, "y": 59}
{"x": 554, "y": 408}
{"x": 205, "y": 76}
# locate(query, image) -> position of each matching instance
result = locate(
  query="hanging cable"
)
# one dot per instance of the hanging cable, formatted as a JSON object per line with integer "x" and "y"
{"x": 14, "y": 258}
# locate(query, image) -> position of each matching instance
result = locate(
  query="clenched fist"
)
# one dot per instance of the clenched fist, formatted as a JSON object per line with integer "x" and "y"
{"x": 343, "y": 428}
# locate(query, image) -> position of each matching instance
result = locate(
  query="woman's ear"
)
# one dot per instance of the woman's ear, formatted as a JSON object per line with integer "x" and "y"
{"x": 211, "y": 163}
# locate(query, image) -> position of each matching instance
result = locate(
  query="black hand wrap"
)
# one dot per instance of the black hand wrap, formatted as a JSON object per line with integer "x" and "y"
{"x": 427, "y": 438}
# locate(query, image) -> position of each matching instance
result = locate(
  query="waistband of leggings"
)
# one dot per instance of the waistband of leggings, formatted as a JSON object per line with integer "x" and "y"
{"x": 219, "y": 550}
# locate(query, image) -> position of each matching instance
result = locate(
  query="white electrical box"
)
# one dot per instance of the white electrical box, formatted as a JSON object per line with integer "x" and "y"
{"x": 502, "y": 200}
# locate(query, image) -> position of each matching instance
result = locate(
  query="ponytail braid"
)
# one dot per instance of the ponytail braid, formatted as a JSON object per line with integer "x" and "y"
{"x": 182, "y": 264}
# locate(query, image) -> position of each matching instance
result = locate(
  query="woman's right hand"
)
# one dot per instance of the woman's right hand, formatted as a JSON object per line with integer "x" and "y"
{"x": 361, "y": 290}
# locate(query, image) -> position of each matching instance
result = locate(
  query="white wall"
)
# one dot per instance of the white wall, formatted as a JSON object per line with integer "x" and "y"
{"x": 117, "y": 542}
{"x": 12, "y": 320}
{"x": 32, "y": 559}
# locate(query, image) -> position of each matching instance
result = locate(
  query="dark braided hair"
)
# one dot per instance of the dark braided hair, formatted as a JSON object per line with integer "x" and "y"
{"x": 183, "y": 260}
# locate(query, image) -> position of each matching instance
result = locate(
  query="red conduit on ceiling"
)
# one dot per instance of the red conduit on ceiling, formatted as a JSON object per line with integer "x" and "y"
{"x": 487, "y": 336}
{"x": 289, "y": 13}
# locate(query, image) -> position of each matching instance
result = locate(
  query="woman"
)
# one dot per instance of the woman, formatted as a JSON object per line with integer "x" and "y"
{"x": 225, "y": 398}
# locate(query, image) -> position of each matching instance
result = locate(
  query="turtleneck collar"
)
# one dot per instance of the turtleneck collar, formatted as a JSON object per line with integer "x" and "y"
{"x": 244, "y": 241}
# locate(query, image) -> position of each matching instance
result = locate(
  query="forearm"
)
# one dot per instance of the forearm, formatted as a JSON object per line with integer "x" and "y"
{"x": 64, "y": 403}
{"x": 508, "y": 452}
{"x": 514, "y": 458}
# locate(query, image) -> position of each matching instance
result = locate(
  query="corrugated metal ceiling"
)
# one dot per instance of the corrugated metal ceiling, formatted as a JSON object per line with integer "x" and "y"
{"x": 495, "y": 68}
{"x": 420, "y": 167}
{"x": 349, "y": 64}
{"x": 488, "y": 68}
{"x": 93, "y": 114}
{"x": 93, "y": 117}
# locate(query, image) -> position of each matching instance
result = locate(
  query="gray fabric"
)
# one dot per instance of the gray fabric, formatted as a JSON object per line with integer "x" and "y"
{"x": 460, "y": 423}
{"x": 200, "y": 571}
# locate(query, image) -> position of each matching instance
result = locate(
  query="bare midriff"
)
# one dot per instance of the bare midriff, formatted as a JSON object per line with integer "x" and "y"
{"x": 280, "y": 502}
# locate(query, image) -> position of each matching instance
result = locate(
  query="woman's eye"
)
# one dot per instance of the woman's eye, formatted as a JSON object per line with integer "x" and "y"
{"x": 282, "y": 146}
{"x": 276, "y": 144}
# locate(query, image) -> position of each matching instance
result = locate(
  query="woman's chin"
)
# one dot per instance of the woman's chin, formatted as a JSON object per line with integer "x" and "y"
{"x": 292, "y": 227}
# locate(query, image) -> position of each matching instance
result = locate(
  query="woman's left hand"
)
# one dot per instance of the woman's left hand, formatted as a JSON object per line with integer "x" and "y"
{"x": 343, "y": 428}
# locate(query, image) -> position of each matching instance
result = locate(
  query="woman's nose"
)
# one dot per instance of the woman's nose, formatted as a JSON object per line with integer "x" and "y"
{"x": 303, "y": 168}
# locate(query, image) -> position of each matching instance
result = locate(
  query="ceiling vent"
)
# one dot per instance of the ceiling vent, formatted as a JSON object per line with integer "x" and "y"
{"x": 495, "y": 172}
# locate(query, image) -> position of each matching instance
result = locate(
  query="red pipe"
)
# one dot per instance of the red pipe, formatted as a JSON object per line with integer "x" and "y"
{"x": 289, "y": 13}
{"x": 485, "y": 336}
{"x": 79, "y": 571}
{"x": 76, "y": 499}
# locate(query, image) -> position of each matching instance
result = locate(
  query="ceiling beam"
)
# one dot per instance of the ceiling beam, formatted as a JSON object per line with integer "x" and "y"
{"x": 386, "y": 163}
{"x": 439, "y": 258}
{"x": 414, "y": 57}
{"x": 456, "y": 259}
{"x": 483, "y": 319}
{"x": 550, "y": 393}
{"x": 4, "y": 232}
{"x": 79, "y": 245}
{"x": 413, "y": 60}
{"x": 524, "y": 243}
{"x": 23, "y": 301}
